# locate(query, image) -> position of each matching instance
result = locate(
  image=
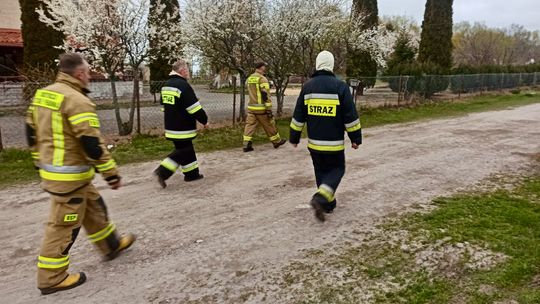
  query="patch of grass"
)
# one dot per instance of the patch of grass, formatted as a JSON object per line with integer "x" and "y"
{"x": 144, "y": 148}
{"x": 16, "y": 166}
{"x": 431, "y": 110}
{"x": 502, "y": 221}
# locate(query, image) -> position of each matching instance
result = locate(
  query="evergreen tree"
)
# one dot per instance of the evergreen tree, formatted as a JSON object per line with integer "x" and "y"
{"x": 403, "y": 54}
{"x": 39, "y": 40}
{"x": 436, "y": 38}
{"x": 160, "y": 66}
{"x": 359, "y": 63}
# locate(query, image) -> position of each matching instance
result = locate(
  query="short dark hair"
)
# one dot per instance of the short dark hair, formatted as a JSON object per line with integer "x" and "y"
{"x": 70, "y": 62}
{"x": 260, "y": 64}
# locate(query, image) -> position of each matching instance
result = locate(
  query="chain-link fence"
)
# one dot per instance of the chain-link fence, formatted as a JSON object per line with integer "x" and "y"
{"x": 223, "y": 105}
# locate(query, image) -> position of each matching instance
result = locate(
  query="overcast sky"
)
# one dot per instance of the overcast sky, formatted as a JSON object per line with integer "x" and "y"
{"x": 495, "y": 13}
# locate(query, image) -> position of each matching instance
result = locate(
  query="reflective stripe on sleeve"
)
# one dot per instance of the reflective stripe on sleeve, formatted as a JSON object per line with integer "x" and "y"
{"x": 194, "y": 108}
{"x": 353, "y": 126}
{"x": 111, "y": 164}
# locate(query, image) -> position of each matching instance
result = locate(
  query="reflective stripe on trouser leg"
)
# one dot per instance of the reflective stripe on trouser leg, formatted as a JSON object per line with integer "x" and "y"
{"x": 65, "y": 218}
{"x": 190, "y": 167}
{"x": 327, "y": 192}
{"x": 100, "y": 230}
{"x": 170, "y": 164}
{"x": 329, "y": 170}
{"x": 250, "y": 128}
{"x": 188, "y": 160}
{"x": 269, "y": 126}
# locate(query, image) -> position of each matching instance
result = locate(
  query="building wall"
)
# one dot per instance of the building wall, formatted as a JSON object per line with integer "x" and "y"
{"x": 10, "y": 14}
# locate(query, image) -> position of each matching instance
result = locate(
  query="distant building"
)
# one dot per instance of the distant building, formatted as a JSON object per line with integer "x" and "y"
{"x": 11, "y": 42}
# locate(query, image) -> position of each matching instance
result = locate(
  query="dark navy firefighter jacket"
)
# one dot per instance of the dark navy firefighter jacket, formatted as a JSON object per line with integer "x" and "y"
{"x": 326, "y": 105}
{"x": 182, "y": 109}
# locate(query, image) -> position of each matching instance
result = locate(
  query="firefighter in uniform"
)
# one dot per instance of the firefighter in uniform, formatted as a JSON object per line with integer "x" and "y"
{"x": 182, "y": 111}
{"x": 326, "y": 105}
{"x": 63, "y": 131}
{"x": 260, "y": 109}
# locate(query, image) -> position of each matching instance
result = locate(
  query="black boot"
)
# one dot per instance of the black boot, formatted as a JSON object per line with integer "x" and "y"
{"x": 279, "y": 143}
{"x": 317, "y": 203}
{"x": 160, "y": 172}
{"x": 248, "y": 147}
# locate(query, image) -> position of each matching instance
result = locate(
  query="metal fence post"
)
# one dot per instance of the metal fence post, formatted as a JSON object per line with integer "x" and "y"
{"x": 400, "y": 88}
{"x": 234, "y": 101}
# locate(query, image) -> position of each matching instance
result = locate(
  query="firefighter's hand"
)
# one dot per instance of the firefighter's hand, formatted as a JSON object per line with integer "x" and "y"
{"x": 206, "y": 126}
{"x": 355, "y": 146}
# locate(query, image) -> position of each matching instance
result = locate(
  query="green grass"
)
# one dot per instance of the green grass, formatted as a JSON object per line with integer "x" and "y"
{"x": 506, "y": 222}
{"x": 502, "y": 221}
{"x": 144, "y": 148}
{"x": 433, "y": 110}
{"x": 16, "y": 166}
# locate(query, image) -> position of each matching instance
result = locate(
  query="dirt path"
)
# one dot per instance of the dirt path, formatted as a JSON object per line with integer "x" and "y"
{"x": 223, "y": 240}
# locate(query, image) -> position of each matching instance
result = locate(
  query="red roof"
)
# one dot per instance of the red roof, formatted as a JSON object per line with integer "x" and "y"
{"x": 11, "y": 37}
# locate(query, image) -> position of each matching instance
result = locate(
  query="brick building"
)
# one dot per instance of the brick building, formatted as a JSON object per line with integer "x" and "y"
{"x": 11, "y": 43}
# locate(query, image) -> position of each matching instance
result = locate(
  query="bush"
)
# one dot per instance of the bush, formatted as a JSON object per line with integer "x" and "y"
{"x": 423, "y": 79}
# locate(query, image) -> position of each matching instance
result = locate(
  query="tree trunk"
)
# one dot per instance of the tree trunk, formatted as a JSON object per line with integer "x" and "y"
{"x": 281, "y": 86}
{"x": 242, "y": 113}
{"x": 1, "y": 144}
{"x": 128, "y": 127}
{"x": 116, "y": 105}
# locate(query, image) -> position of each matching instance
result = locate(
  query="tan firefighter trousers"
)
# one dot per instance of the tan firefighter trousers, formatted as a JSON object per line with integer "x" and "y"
{"x": 68, "y": 213}
{"x": 268, "y": 123}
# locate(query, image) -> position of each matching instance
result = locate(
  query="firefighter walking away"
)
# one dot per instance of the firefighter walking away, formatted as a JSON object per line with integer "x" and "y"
{"x": 260, "y": 109}
{"x": 326, "y": 105}
{"x": 182, "y": 112}
{"x": 62, "y": 129}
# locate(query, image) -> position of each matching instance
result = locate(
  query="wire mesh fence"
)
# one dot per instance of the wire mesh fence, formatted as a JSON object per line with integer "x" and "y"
{"x": 223, "y": 105}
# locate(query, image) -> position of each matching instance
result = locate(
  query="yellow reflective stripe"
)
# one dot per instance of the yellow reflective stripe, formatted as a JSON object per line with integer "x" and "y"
{"x": 35, "y": 155}
{"x": 66, "y": 177}
{"x": 170, "y": 164}
{"x": 321, "y": 102}
{"x": 326, "y": 193}
{"x": 355, "y": 128}
{"x": 92, "y": 118}
{"x": 248, "y": 138}
{"x": 181, "y": 136}
{"x": 111, "y": 164}
{"x": 171, "y": 93}
{"x": 48, "y": 99}
{"x": 265, "y": 85}
{"x": 52, "y": 263}
{"x": 326, "y": 148}
{"x": 296, "y": 128}
{"x": 268, "y": 105}
{"x": 257, "y": 107}
{"x": 58, "y": 139}
{"x": 275, "y": 137}
{"x": 102, "y": 234}
{"x": 190, "y": 167}
{"x": 195, "y": 110}
{"x": 74, "y": 118}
